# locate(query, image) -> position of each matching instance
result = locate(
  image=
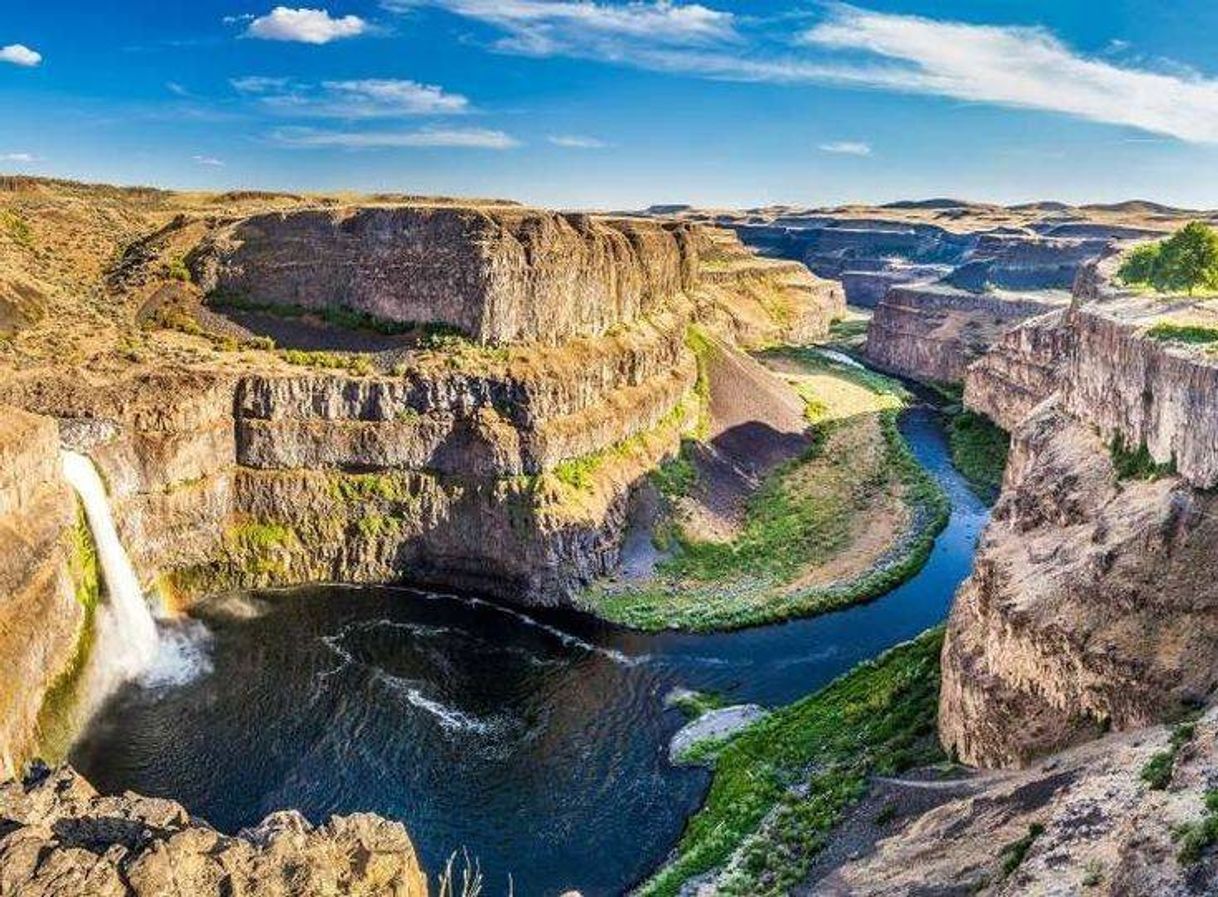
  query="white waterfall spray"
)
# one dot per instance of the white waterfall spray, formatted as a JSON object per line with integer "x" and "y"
{"x": 127, "y": 632}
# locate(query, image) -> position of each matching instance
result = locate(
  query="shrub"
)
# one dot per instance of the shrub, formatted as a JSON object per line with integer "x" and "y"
{"x": 1183, "y": 333}
{"x": 1184, "y": 262}
{"x": 1157, "y": 772}
{"x": 1014, "y": 853}
{"x": 1137, "y": 464}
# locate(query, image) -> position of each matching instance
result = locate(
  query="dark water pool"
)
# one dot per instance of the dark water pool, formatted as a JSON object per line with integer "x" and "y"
{"x": 537, "y": 741}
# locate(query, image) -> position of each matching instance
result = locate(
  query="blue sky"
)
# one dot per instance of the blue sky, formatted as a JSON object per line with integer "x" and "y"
{"x": 621, "y": 103}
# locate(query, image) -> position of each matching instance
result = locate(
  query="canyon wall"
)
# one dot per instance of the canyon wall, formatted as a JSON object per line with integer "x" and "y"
{"x": 500, "y": 275}
{"x": 1090, "y": 606}
{"x": 933, "y": 332}
{"x": 44, "y": 583}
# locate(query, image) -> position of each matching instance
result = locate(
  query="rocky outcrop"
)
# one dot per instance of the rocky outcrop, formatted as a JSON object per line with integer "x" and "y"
{"x": 41, "y": 619}
{"x": 499, "y": 275}
{"x": 1089, "y": 606}
{"x": 1022, "y": 369}
{"x": 1087, "y": 822}
{"x": 934, "y": 332}
{"x": 59, "y": 837}
{"x": 1148, "y": 392}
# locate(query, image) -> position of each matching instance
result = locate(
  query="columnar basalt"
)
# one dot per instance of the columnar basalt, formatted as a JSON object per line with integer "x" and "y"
{"x": 499, "y": 276}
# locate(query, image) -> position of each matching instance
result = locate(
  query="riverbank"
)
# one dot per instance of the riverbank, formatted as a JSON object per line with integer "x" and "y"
{"x": 781, "y": 785}
{"x": 850, "y": 518}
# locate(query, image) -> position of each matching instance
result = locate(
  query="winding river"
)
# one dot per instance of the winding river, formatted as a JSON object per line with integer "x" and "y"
{"x": 536, "y": 740}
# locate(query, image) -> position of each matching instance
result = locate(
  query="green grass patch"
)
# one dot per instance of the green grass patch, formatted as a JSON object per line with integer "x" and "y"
{"x": 1195, "y": 838}
{"x": 261, "y": 547}
{"x": 677, "y": 476}
{"x": 1158, "y": 771}
{"x": 359, "y": 365}
{"x": 979, "y": 451}
{"x": 877, "y": 719}
{"x": 1137, "y": 463}
{"x": 1191, "y": 334}
{"x": 696, "y": 703}
{"x": 710, "y": 586}
{"x": 17, "y": 228}
{"x": 1014, "y": 853}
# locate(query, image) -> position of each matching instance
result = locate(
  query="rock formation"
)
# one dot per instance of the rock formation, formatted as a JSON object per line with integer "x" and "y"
{"x": 1083, "y": 823}
{"x": 504, "y": 460}
{"x": 933, "y": 332}
{"x": 1091, "y": 605}
{"x": 59, "y": 837}
{"x": 41, "y": 574}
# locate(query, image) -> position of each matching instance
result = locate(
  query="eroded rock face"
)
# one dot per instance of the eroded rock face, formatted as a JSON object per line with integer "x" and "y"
{"x": 500, "y": 275}
{"x": 58, "y": 837}
{"x": 1102, "y": 829}
{"x": 40, "y": 618}
{"x": 1091, "y": 604}
{"x": 933, "y": 332}
{"x": 1020, "y": 371}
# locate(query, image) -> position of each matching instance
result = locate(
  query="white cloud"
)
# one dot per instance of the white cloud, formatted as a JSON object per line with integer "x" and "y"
{"x": 306, "y": 26}
{"x": 176, "y": 89}
{"x": 20, "y": 54}
{"x": 574, "y": 141}
{"x": 544, "y": 27}
{"x": 846, "y": 148}
{"x": 259, "y": 84}
{"x": 211, "y": 161}
{"x": 19, "y": 157}
{"x": 366, "y": 98}
{"x": 1013, "y": 66}
{"x": 462, "y": 138}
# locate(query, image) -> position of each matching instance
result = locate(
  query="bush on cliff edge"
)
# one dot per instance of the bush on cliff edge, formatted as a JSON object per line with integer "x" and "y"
{"x": 1184, "y": 262}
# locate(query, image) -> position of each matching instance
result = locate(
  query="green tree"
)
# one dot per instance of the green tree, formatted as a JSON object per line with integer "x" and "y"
{"x": 1185, "y": 261}
{"x": 1141, "y": 264}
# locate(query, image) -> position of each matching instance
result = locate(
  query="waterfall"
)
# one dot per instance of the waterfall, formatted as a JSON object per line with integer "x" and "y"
{"x": 128, "y": 641}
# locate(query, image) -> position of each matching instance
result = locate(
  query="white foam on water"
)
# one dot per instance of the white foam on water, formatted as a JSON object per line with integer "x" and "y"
{"x": 571, "y": 641}
{"x": 182, "y": 656}
{"x": 841, "y": 358}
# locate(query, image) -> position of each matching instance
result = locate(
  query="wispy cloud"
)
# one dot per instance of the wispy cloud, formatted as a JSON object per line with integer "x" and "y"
{"x": 544, "y": 27}
{"x": 210, "y": 161}
{"x": 366, "y": 98}
{"x": 20, "y": 54}
{"x": 306, "y": 26}
{"x": 574, "y": 141}
{"x": 1014, "y": 66}
{"x": 1026, "y": 67}
{"x": 19, "y": 157}
{"x": 846, "y": 148}
{"x": 459, "y": 138}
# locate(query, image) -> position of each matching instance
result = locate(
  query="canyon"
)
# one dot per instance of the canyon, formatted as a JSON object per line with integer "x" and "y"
{"x": 521, "y": 376}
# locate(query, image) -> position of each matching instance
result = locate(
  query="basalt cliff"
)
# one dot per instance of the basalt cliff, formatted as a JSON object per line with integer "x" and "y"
{"x": 279, "y": 390}
{"x": 1090, "y": 606}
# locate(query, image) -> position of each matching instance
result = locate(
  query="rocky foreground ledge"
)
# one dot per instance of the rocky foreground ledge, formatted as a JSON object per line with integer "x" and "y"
{"x": 59, "y": 837}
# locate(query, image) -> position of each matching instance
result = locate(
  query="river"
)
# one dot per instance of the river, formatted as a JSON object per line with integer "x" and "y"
{"x": 536, "y": 740}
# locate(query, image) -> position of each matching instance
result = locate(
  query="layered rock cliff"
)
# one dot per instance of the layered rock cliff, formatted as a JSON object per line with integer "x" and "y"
{"x": 499, "y": 275}
{"x": 1090, "y": 606}
{"x": 934, "y": 332}
{"x": 502, "y": 460}
{"x": 47, "y": 585}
